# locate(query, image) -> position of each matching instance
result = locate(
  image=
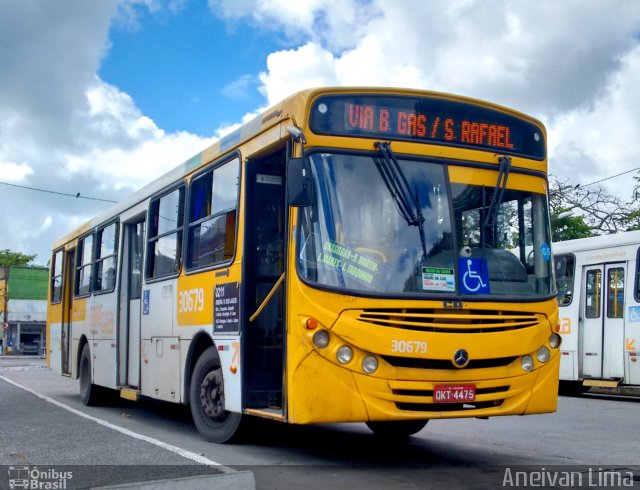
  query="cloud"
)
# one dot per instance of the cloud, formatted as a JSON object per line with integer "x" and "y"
{"x": 68, "y": 130}
{"x": 601, "y": 137}
{"x": 13, "y": 172}
{"x": 574, "y": 68}
{"x": 62, "y": 128}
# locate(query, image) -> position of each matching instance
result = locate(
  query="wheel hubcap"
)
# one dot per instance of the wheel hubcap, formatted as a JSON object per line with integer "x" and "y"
{"x": 212, "y": 394}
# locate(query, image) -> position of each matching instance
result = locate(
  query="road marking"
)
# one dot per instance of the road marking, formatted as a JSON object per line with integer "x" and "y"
{"x": 174, "y": 449}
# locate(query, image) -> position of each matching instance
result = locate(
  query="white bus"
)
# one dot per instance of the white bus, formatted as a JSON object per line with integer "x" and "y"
{"x": 598, "y": 283}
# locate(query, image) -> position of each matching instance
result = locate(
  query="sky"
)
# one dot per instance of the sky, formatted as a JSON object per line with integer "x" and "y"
{"x": 99, "y": 98}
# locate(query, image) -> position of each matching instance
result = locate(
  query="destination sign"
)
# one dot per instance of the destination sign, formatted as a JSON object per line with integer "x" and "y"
{"x": 427, "y": 120}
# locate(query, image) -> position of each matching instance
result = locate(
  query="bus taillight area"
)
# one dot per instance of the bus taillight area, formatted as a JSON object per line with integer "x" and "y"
{"x": 392, "y": 364}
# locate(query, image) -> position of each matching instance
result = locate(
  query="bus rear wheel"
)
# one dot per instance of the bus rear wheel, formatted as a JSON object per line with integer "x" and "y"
{"x": 89, "y": 393}
{"x": 206, "y": 395}
{"x": 397, "y": 429}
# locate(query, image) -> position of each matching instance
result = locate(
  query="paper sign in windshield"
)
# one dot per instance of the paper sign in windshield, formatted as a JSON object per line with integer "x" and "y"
{"x": 438, "y": 279}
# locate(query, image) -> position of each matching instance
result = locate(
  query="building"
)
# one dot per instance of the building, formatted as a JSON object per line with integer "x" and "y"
{"x": 23, "y": 309}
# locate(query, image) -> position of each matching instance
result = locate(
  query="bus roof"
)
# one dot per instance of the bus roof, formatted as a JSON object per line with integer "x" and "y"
{"x": 597, "y": 242}
{"x": 290, "y": 109}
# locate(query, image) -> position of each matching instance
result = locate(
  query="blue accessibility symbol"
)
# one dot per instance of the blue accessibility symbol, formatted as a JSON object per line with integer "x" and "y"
{"x": 145, "y": 301}
{"x": 474, "y": 276}
{"x": 545, "y": 250}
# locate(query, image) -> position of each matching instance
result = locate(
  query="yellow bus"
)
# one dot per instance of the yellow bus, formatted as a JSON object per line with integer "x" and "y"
{"x": 366, "y": 255}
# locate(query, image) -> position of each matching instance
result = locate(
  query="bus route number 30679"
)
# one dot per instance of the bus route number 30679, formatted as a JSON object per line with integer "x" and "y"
{"x": 191, "y": 300}
{"x": 409, "y": 346}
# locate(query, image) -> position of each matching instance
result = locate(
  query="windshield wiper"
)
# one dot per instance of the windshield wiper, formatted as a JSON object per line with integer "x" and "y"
{"x": 408, "y": 204}
{"x": 498, "y": 192}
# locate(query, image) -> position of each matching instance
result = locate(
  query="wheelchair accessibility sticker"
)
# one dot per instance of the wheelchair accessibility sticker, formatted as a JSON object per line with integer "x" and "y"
{"x": 634, "y": 314}
{"x": 474, "y": 276}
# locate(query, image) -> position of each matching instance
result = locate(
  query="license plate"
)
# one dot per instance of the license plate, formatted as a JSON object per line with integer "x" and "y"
{"x": 454, "y": 393}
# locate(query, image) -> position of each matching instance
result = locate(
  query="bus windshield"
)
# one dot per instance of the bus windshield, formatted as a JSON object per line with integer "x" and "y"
{"x": 384, "y": 228}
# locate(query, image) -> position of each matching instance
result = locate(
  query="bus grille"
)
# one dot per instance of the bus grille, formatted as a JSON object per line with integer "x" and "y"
{"x": 451, "y": 321}
{"x": 421, "y": 363}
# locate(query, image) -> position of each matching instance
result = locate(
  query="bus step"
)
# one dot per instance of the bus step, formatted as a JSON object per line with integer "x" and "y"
{"x": 602, "y": 383}
{"x": 129, "y": 394}
{"x": 267, "y": 413}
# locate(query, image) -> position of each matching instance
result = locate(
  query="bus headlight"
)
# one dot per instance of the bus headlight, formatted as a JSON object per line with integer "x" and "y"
{"x": 321, "y": 339}
{"x": 369, "y": 364}
{"x": 527, "y": 363}
{"x": 543, "y": 354}
{"x": 555, "y": 340}
{"x": 344, "y": 354}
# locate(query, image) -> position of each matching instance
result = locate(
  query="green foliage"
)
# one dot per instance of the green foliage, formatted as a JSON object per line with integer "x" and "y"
{"x": 568, "y": 227}
{"x": 7, "y": 258}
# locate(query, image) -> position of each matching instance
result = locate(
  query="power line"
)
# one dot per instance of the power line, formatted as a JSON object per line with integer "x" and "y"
{"x": 608, "y": 178}
{"x": 77, "y": 195}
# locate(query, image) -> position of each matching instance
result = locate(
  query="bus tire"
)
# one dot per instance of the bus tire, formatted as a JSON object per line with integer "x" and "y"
{"x": 89, "y": 393}
{"x": 206, "y": 395}
{"x": 397, "y": 429}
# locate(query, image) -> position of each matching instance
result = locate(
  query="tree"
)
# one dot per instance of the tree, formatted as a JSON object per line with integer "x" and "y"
{"x": 8, "y": 258}
{"x": 568, "y": 227}
{"x": 582, "y": 211}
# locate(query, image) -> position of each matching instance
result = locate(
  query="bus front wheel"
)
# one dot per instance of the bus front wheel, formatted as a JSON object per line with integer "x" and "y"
{"x": 206, "y": 394}
{"x": 397, "y": 429}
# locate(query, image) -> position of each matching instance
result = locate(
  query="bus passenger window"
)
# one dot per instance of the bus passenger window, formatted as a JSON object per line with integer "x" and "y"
{"x": 565, "y": 269}
{"x": 165, "y": 234}
{"x": 593, "y": 296}
{"x": 106, "y": 258}
{"x": 212, "y": 216}
{"x": 637, "y": 290}
{"x": 84, "y": 266}
{"x": 615, "y": 293}
{"x": 56, "y": 277}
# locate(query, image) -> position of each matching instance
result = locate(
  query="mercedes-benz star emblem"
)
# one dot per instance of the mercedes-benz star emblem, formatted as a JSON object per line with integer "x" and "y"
{"x": 461, "y": 358}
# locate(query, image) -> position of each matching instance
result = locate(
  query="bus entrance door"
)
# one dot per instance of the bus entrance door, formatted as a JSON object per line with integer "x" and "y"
{"x": 264, "y": 285}
{"x": 602, "y": 332}
{"x": 69, "y": 275}
{"x": 131, "y": 308}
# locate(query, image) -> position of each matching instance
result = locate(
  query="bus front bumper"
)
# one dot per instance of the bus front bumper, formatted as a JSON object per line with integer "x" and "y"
{"x": 325, "y": 392}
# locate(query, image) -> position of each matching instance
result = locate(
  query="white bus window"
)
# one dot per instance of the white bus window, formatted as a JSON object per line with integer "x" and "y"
{"x": 213, "y": 205}
{"x": 106, "y": 258}
{"x": 84, "y": 266}
{"x": 56, "y": 277}
{"x": 615, "y": 293}
{"x": 565, "y": 272}
{"x": 637, "y": 289}
{"x": 593, "y": 294}
{"x": 166, "y": 217}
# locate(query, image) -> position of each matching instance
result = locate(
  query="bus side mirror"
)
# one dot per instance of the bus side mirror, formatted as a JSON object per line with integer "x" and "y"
{"x": 299, "y": 182}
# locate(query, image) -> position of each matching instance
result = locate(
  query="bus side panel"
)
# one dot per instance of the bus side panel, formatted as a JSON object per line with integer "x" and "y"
{"x": 632, "y": 328}
{"x": 54, "y": 337}
{"x": 160, "y": 349}
{"x": 229, "y": 353}
{"x": 568, "y": 318}
{"x": 102, "y": 315}
{"x": 80, "y": 327}
{"x": 570, "y": 332}
{"x": 54, "y": 353}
